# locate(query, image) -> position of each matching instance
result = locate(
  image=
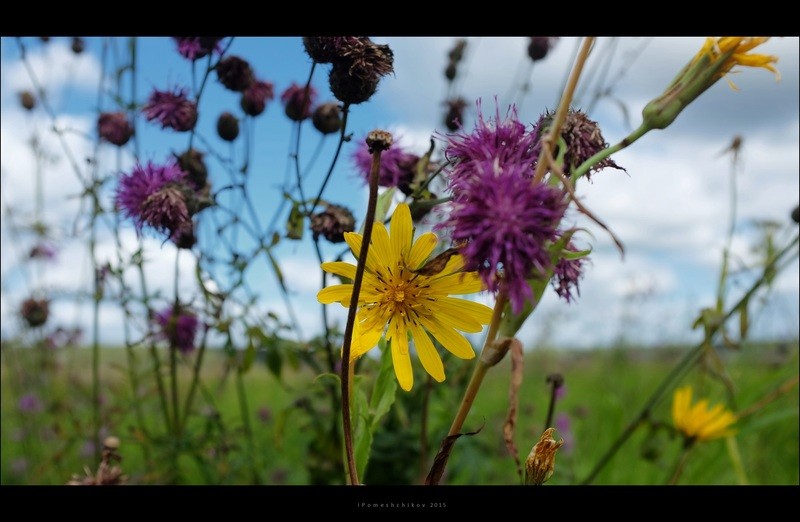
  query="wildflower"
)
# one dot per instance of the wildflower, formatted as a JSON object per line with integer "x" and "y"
{"x": 698, "y": 422}
{"x": 564, "y": 426}
{"x": 172, "y": 109}
{"x": 35, "y": 311}
{"x": 114, "y": 127}
{"x": 394, "y": 293}
{"x": 27, "y": 100}
{"x": 566, "y": 275}
{"x": 297, "y": 102}
{"x": 355, "y": 74}
{"x": 227, "y": 126}
{"x": 540, "y": 464}
{"x": 178, "y": 327}
{"x": 505, "y": 142}
{"x": 539, "y": 46}
{"x": 42, "y": 250}
{"x": 716, "y": 58}
{"x": 505, "y": 223}
{"x": 156, "y": 195}
{"x": 196, "y": 47}
{"x": 326, "y": 118}
{"x": 255, "y": 97}
{"x": 397, "y": 166}
{"x": 235, "y": 73}
{"x": 332, "y": 223}
{"x": 582, "y": 138}
{"x": 191, "y": 162}
{"x": 30, "y": 403}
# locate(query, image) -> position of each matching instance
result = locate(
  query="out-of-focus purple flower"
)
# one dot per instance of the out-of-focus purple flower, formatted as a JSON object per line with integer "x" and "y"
{"x": 62, "y": 337}
{"x": 255, "y": 97}
{"x": 114, "y": 128}
{"x": 397, "y": 165}
{"x": 155, "y": 195}
{"x": 582, "y": 137}
{"x": 179, "y": 329}
{"x": 35, "y": 311}
{"x": 564, "y": 427}
{"x": 505, "y": 142}
{"x": 279, "y": 476}
{"x": 454, "y": 119}
{"x": 42, "y": 250}
{"x": 264, "y": 414}
{"x": 566, "y": 275}
{"x": 19, "y": 466}
{"x": 195, "y": 47}
{"x": 561, "y": 391}
{"x": 539, "y": 46}
{"x": 172, "y": 109}
{"x": 504, "y": 222}
{"x": 235, "y": 73}
{"x": 30, "y": 403}
{"x": 297, "y": 103}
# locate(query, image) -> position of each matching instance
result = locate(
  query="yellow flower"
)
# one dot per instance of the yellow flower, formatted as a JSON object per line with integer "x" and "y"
{"x": 698, "y": 422}
{"x": 714, "y": 60}
{"x": 409, "y": 302}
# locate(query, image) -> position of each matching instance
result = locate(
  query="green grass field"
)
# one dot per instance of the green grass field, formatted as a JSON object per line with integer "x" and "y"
{"x": 604, "y": 390}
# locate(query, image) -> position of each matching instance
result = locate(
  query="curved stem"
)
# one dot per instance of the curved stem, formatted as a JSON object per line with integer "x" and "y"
{"x": 584, "y": 167}
{"x": 345, "y": 112}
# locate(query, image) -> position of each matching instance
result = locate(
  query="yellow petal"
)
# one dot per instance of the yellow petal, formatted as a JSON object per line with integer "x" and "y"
{"x": 400, "y": 357}
{"x": 427, "y": 354}
{"x": 402, "y": 231}
{"x": 340, "y": 268}
{"x": 381, "y": 246}
{"x": 452, "y": 341}
{"x": 458, "y": 284}
{"x": 421, "y": 249}
{"x": 354, "y": 241}
{"x": 336, "y": 293}
{"x": 461, "y": 309}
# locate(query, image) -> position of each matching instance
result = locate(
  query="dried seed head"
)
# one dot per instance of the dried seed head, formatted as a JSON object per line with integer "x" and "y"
{"x": 255, "y": 98}
{"x": 35, "y": 311}
{"x": 27, "y": 100}
{"x": 540, "y": 464}
{"x": 235, "y": 73}
{"x": 348, "y": 88}
{"x": 454, "y": 118}
{"x": 227, "y": 126}
{"x": 540, "y": 46}
{"x": 185, "y": 238}
{"x": 332, "y": 223}
{"x": 111, "y": 443}
{"x": 114, "y": 128}
{"x": 456, "y": 54}
{"x": 326, "y": 118}
{"x": 450, "y": 71}
{"x": 379, "y": 140}
{"x": 78, "y": 45}
{"x": 326, "y": 49}
{"x": 192, "y": 163}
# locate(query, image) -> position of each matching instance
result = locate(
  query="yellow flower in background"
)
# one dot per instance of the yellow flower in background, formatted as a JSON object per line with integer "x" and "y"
{"x": 716, "y": 58}
{"x": 395, "y": 293}
{"x": 698, "y": 422}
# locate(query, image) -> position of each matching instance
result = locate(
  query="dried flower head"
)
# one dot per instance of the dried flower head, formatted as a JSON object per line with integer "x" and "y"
{"x": 327, "y": 118}
{"x": 539, "y": 46}
{"x": 255, "y": 98}
{"x": 356, "y": 72}
{"x": 326, "y": 49}
{"x": 566, "y": 275}
{"x": 114, "y": 128}
{"x": 297, "y": 101}
{"x": 397, "y": 166}
{"x": 172, "y": 109}
{"x": 332, "y": 223}
{"x": 235, "y": 73}
{"x": 454, "y": 118}
{"x": 540, "y": 464}
{"x": 178, "y": 327}
{"x": 227, "y": 126}
{"x": 196, "y": 47}
{"x": 35, "y": 311}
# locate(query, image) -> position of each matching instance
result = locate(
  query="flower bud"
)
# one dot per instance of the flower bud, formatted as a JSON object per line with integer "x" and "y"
{"x": 227, "y": 126}
{"x": 326, "y": 118}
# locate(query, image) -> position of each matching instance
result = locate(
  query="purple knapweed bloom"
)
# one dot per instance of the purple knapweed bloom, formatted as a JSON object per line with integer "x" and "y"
{"x": 196, "y": 47}
{"x": 566, "y": 275}
{"x": 179, "y": 329}
{"x": 505, "y": 142}
{"x": 397, "y": 165}
{"x": 29, "y": 403}
{"x": 172, "y": 109}
{"x": 155, "y": 195}
{"x": 297, "y": 102}
{"x": 114, "y": 128}
{"x": 504, "y": 223}
{"x": 564, "y": 427}
{"x": 255, "y": 97}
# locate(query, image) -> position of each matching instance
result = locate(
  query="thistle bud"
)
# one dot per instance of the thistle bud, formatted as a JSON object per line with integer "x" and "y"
{"x": 540, "y": 464}
{"x": 326, "y": 118}
{"x": 235, "y": 73}
{"x": 450, "y": 71}
{"x": 348, "y": 88}
{"x": 332, "y": 223}
{"x": 454, "y": 118}
{"x": 227, "y": 126}
{"x": 114, "y": 128}
{"x": 540, "y": 46}
{"x": 27, "y": 100}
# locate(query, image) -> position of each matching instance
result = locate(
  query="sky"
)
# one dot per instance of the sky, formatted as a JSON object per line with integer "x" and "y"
{"x": 670, "y": 208}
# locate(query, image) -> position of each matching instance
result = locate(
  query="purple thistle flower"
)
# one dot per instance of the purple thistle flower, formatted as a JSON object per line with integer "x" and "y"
{"x": 397, "y": 165}
{"x": 42, "y": 250}
{"x": 255, "y": 97}
{"x": 35, "y": 311}
{"x": 264, "y": 414}
{"x": 564, "y": 428}
{"x": 196, "y": 47}
{"x": 155, "y": 195}
{"x": 172, "y": 109}
{"x": 114, "y": 127}
{"x": 505, "y": 142}
{"x": 178, "y": 329}
{"x": 504, "y": 222}
{"x": 566, "y": 274}
{"x": 297, "y": 103}
{"x": 29, "y": 403}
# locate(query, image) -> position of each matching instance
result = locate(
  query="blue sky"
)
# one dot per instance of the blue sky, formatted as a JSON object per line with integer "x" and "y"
{"x": 670, "y": 209}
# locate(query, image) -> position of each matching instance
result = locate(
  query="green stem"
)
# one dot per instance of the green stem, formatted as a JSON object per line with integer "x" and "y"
{"x": 680, "y": 465}
{"x": 187, "y": 407}
{"x": 244, "y": 411}
{"x": 584, "y": 167}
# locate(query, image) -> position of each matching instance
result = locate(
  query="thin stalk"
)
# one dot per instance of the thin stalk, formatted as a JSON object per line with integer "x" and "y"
{"x": 584, "y": 167}
{"x": 680, "y": 465}
{"x": 244, "y": 411}
{"x": 345, "y": 112}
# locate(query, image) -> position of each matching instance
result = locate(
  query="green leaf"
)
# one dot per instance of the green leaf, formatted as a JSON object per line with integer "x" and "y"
{"x": 383, "y": 204}
{"x": 362, "y": 432}
{"x": 294, "y": 225}
{"x": 385, "y": 389}
{"x": 274, "y": 359}
{"x": 276, "y": 267}
{"x": 248, "y": 358}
